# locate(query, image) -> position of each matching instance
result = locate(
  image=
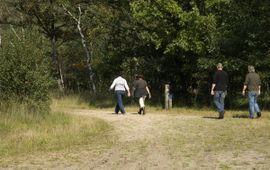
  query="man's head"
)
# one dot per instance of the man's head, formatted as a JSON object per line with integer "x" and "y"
{"x": 251, "y": 69}
{"x": 139, "y": 76}
{"x": 219, "y": 66}
{"x": 120, "y": 73}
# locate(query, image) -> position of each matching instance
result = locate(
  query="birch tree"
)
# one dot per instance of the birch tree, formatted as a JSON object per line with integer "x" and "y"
{"x": 77, "y": 19}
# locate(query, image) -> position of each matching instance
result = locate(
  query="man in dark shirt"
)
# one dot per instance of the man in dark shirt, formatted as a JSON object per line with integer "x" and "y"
{"x": 219, "y": 89}
{"x": 253, "y": 83}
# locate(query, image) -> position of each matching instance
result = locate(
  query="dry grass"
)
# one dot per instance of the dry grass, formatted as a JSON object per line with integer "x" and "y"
{"x": 73, "y": 101}
{"x": 180, "y": 138}
{"x": 56, "y": 131}
{"x": 232, "y": 143}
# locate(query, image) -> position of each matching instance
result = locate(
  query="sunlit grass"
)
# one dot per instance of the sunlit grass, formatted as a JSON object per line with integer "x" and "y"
{"x": 219, "y": 144}
{"x": 72, "y": 101}
{"x": 193, "y": 137}
{"x": 76, "y": 102}
{"x": 22, "y": 133}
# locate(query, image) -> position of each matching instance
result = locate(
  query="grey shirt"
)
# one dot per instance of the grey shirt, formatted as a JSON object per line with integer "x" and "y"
{"x": 140, "y": 88}
{"x": 252, "y": 81}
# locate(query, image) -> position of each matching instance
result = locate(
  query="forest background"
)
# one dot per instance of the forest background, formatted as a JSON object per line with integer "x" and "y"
{"x": 64, "y": 47}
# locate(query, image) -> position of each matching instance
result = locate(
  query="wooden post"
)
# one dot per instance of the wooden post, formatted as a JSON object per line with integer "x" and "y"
{"x": 170, "y": 101}
{"x": 167, "y": 92}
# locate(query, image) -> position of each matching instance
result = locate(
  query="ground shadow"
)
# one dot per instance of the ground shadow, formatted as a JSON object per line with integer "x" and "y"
{"x": 241, "y": 116}
{"x": 134, "y": 113}
{"x": 210, "y": 117}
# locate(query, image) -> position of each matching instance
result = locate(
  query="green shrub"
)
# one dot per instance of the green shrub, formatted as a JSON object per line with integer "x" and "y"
{"x": 24, "y": 71}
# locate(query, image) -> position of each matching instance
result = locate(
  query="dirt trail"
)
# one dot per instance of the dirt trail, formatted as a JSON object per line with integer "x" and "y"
{"x": 133, "y": 130}
{"x": 139, "y": 146}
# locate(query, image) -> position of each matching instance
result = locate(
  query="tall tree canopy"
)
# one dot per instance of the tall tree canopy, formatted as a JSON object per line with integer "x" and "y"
{"x": 173, "y": 41}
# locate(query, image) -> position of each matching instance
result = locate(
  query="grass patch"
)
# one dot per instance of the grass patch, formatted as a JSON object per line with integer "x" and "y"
{"x": 219, "y": 144}
{"x": 52, "y": 132}
{"x": 84, "y": 100}
{"x": 71, "y": 101}
{"x": 77, "y": 102}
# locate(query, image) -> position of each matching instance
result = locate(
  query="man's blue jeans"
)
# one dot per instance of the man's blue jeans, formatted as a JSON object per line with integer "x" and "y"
{"x": 219, "y": 98}
{"x": 253, "y": 105}
{"x": 119, "y": 106}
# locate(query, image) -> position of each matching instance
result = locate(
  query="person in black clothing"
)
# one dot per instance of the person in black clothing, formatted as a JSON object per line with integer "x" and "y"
{"x": 219, "y": 89}
{"x": 141, "y": 90}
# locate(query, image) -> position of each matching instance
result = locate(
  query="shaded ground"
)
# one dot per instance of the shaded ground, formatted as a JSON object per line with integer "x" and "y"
{"x": 155, "y": 141}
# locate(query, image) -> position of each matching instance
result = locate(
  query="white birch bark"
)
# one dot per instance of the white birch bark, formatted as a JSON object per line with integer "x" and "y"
{"x": 84, "y": 44}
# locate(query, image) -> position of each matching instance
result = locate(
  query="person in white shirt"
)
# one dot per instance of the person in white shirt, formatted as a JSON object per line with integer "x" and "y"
{"x": 120, "y": 86}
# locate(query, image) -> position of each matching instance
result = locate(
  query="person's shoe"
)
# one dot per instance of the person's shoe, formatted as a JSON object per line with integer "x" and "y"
{"x": 140, "y": 111}
{"x": 143, "y": 111}
{"x": 259, "y": 114}
{"x": 221, "y": 115}
{"x": 251, "y": 116}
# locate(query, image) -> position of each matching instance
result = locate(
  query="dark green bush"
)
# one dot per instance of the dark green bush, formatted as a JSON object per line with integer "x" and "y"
{"x": 24, "y": 71}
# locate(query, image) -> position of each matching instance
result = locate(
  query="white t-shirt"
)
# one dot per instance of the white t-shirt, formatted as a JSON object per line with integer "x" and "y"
{"x": 119, "y": 84}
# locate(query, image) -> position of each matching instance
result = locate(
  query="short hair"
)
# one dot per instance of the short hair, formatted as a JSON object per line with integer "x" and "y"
{"x": 139, "y": 76}
{"x": 219, "y": 65}
{"x": 251, "y": 69}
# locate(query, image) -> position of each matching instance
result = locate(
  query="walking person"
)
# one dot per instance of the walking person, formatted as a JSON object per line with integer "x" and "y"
{"x": 253, "y": 84}
{"x": 120, "y": 86}
{"x": 141, "y": 90}
{"x": 219, "y": 89}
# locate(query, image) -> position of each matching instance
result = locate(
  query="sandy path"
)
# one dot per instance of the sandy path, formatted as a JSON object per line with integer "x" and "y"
{"x": 139, "y": 146}
{"x": 132, "y": 130}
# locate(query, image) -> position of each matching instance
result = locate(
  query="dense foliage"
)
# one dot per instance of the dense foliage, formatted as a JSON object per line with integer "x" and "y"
{"x": 24, "y": 71}
{"x": 173, "y": 41}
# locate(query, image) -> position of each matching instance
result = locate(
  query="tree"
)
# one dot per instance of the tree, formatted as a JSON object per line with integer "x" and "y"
{"x": 84, "y": 43}
{"x": 48, "y": 17}
{"x": 181, "y": 33}
{"x": 243, "y": 39}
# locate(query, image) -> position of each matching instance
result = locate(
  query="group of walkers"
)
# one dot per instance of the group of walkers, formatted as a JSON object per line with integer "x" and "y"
{"x": 252, "y": 84}
{"x": 219, "y": 87}
{"x": 140, "y": 91}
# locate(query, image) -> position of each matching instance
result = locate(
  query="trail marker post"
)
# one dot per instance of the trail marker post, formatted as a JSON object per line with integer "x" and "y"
{"x": 168, "y": 97}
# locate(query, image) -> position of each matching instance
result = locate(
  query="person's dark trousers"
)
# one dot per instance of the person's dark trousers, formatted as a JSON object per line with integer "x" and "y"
{"x": 219, "y": 98}
{"x": 119, "y": 106}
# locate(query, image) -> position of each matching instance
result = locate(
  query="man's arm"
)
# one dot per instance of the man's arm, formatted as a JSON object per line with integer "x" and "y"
{"x": 112, "y": 85}
{"x": 127, "y": 88}
{"x": 212, "y": 89}
{"x": 214, "y": 83}
{"x": 148, "y": 91}
{"x": 244, "y": 89}
{"x": 245, "y": 85}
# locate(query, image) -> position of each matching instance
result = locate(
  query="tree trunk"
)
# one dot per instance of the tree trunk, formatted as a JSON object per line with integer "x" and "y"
{"x": 88, "y": 57}
{"x": 57, "y": 70}
{"x": 1, "y": 37}
{"x": 0, "y": 40}
{"x": 85, "y": 47}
